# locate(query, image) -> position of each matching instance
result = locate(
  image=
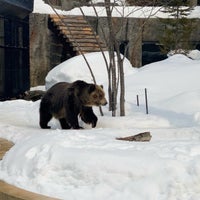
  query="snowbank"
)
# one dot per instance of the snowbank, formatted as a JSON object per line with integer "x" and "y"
{"x": 76, "y": 68}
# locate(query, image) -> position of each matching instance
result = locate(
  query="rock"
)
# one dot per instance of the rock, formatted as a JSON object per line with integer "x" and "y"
{"x": 33, "y": 95}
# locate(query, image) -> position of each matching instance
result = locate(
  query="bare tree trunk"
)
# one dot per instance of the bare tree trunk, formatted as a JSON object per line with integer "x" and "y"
{"x": 122, "y": 86}
{"x": 112, "y": 57}
{"x": 106, "y": 62}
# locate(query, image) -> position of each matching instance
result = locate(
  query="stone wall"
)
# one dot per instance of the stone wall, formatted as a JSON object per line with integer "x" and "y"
{"x": 127, "y": 31}
{"x": 137, "y": 31}
{"x": 47, "y": 49}
{"x": 39, "y": 48}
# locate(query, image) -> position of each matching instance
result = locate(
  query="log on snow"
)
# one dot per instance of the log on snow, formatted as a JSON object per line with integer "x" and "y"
{"x": 141, "y": 137}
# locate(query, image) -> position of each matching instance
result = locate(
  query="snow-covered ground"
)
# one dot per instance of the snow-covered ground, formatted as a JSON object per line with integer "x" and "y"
{"x": 91, "y": 164}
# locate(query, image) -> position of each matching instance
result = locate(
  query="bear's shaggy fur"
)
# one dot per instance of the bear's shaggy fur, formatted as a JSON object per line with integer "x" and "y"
{"x": 66, "y": 101}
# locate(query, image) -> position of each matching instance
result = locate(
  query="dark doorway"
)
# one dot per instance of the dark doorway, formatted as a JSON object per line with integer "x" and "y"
{"x": 14, "y": 57}
{"x": 123, "y": 47}
{"x": 198, "y": 46}
{"x": 151, "y": 53}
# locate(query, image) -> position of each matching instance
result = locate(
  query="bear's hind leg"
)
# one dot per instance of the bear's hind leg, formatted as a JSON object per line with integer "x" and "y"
{"x": 45, "y": 115}
{"x": 44, "y": 120}
{"x": 64, "y": 124}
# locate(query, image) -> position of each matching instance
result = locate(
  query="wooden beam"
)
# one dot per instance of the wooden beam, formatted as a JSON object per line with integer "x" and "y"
{"x": 5, "y": 145}
{"x": 10, "y": 192}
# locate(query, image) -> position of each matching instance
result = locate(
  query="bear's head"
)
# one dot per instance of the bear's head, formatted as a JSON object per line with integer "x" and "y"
{"x": 96, "y": 96}
{"x": 89, "y": 94}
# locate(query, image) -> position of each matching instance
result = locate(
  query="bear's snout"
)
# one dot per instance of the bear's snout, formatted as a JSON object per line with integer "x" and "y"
{"x": 104, "y": 102}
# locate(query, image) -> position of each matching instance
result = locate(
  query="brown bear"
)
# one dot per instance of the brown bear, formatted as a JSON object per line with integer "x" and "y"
{"x": 66, "y": 101}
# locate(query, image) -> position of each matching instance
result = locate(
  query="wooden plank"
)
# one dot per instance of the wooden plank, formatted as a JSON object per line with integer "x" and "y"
{"x": 86, "y": 45}
{"x": 81, "y": 36}
{"x": 5, "y": 145}
{"x": 75, "y": 28}
{"x": 69, "y": 20}
{"x": 10, "y": 192}
{"x": 54, "y": 16}
{"x": 74, "y": 25}
{"x": 74, "y": 20}
{"x": 58, "y": 22}
{"x": 83, "y": 40}
{"x": 66, "y": 32}
{"x": 87, "y": 49}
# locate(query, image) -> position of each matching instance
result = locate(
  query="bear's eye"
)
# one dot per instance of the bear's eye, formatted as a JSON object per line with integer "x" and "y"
{"x": 94, "y": 96}
{"x": 100, "y": 96}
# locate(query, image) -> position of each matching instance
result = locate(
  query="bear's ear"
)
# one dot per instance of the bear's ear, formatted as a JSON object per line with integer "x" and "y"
{"x": 91, "y": 88}
{"x": 101, "y": 86}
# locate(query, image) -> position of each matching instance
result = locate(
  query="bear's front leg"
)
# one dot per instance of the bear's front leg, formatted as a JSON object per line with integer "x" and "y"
{"x": 88, "y": 116}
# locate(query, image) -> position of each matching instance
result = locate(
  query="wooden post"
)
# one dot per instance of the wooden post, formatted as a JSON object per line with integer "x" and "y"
{"x": 137, "y": 97}
{"x": 146, "y": 101}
